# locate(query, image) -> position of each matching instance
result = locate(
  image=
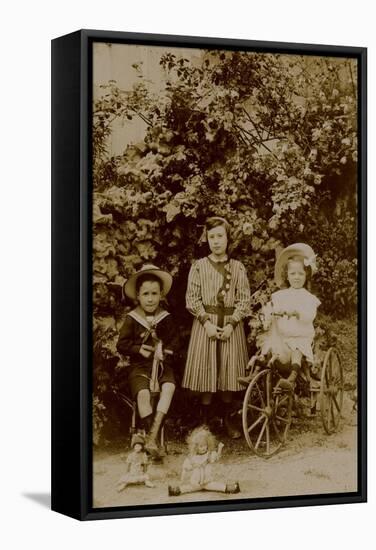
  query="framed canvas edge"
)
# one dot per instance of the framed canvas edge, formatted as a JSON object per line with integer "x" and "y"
{"x": 86, "y": 511}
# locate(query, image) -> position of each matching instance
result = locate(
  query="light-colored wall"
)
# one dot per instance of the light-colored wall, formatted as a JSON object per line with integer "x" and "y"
{"x": 114, "y": 62}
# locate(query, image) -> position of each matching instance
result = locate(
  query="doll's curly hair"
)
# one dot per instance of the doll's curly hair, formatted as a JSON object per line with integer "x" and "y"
{"x": 198, "y": 434}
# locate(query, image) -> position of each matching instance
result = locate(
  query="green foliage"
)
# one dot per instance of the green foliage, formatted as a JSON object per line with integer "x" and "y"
{"x": 268, "y": 141}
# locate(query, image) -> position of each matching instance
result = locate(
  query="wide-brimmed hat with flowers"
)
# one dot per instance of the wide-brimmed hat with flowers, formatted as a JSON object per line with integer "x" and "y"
{"x": 297, "y": 249}
{"x": 129, "y": 287}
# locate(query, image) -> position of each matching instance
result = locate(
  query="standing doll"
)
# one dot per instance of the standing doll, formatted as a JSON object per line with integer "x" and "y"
{"x": 218, "y": 297}
{"x": 197, "y": 473}
{"x": 146, "y": 337}
{"x": 290, "y": 314}
{"x": 136, "y": 465}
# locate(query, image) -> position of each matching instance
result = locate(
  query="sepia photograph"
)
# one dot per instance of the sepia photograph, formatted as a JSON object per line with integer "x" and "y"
{"x": 225, "y": 274}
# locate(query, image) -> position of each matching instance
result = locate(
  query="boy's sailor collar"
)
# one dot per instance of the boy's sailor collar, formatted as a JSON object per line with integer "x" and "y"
{"x": 139, "y": 316}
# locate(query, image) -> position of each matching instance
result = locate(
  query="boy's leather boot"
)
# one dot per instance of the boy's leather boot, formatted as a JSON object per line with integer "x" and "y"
{"x": 151, "y": 445}
{"x": 146, "y": 423}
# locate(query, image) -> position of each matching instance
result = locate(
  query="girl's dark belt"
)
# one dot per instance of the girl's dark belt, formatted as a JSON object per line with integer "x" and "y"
{"x": 219, "y": 310}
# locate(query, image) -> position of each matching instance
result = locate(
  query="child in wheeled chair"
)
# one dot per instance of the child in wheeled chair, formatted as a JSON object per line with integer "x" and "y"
{"x": 146, "y": 337}
{"x": 288, "y": 317}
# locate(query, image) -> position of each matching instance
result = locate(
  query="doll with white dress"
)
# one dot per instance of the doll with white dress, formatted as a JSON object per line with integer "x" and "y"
{"x": 136, "y": 465}
{"x": 289, "y": 316}
{"x": 197, "y": 473}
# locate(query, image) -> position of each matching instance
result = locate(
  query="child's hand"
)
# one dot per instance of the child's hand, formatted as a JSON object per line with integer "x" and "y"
{"x": 211, "y": 330}
{"x": 226, "y": 332}
{"x": 295, "y": 314}
{"x": 145, "y": 351}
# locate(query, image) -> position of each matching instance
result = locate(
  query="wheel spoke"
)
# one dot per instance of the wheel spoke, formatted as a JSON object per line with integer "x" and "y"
{"x": 281, "y": 419}
{"x": 261, "y": 434}
{"x": 332, "y": 413}
{"x": 267, "y": 438}
{"x": 255, "y": 408}
{"x": 267, "y": 389}
{"x": 256, "y": 422}
{"x": 260, "y": 395}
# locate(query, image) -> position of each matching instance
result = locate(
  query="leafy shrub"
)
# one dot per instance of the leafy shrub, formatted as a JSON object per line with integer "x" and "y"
{"x": 267, "y": 141}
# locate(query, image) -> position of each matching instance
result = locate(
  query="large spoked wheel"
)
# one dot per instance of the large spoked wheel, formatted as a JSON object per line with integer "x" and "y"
{"x": 331, "y": 391}
{"x": 266, "y": 414}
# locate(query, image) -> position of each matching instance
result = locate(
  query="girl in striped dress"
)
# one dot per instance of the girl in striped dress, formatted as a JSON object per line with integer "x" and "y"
{"x": 218, "y": 297}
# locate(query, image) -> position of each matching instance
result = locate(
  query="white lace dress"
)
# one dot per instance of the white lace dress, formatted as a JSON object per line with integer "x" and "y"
{"x": 290, "y": 332}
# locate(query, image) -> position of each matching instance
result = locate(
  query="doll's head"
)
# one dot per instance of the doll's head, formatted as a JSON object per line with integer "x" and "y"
{"x": 138, "y": 443}
{"x": 200, "y": 441}
{"x": 295, "y": 273}
{"x": 217, "y": 231}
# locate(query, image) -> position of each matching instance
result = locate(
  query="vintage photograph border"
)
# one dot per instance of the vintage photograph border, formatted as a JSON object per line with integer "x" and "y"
{"x": 72, "y": 343}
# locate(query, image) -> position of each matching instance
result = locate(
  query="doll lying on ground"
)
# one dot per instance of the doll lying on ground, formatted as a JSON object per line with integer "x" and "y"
{"x": 197, "y": 474}
{"x": 136, "y": 464}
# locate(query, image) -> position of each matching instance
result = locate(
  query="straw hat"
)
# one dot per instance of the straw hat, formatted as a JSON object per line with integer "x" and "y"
{"x": 129, "y": 287}
{"x": 297, "y": 249}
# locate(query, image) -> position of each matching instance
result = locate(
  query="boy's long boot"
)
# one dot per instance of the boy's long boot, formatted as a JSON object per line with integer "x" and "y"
{"x": 151, "y": 445}
{"x": 147, "y": 423}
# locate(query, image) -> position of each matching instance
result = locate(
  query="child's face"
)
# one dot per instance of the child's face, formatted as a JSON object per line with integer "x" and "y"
{"x": 149, "y": 296}
{"x": 137, "y": 447}
{"x": 217, "y": 240}
{"x": 296, "y": 275}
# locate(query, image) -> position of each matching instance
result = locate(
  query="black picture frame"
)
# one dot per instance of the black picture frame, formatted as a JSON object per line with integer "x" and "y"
{"x": 72, "y": 264}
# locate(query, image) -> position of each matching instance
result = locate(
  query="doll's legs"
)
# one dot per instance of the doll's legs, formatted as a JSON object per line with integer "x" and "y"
{"x": 221, "y": 487}
{"x": 217, "y": 486}
{"x": 121, "y": 486}
{"x": 123, "y": 482}
{"x": 176, "y": 490}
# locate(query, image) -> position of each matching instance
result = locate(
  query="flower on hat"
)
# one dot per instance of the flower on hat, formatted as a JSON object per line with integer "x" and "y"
{"x": 311, "y": 262}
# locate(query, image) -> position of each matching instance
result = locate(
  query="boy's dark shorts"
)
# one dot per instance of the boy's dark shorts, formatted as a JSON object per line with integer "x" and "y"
{"x": 139, "y": 378}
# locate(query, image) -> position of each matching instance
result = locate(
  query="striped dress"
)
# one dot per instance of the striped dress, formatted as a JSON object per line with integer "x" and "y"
{"x": 218, "y": 292}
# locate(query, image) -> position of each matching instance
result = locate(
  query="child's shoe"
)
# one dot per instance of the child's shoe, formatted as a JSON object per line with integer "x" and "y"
{"x": 174, "y": 490}
{"x": 232, "y": 488}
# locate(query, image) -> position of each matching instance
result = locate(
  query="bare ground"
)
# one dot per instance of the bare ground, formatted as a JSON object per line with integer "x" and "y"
{"x": 311, "y": 462}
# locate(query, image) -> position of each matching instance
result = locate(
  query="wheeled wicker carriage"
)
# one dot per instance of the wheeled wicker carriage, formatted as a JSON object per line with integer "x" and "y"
{"x": 267, "y": 407}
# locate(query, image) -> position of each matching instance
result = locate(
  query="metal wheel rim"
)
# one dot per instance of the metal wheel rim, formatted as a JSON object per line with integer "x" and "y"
{"x": 331, "y": 392}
